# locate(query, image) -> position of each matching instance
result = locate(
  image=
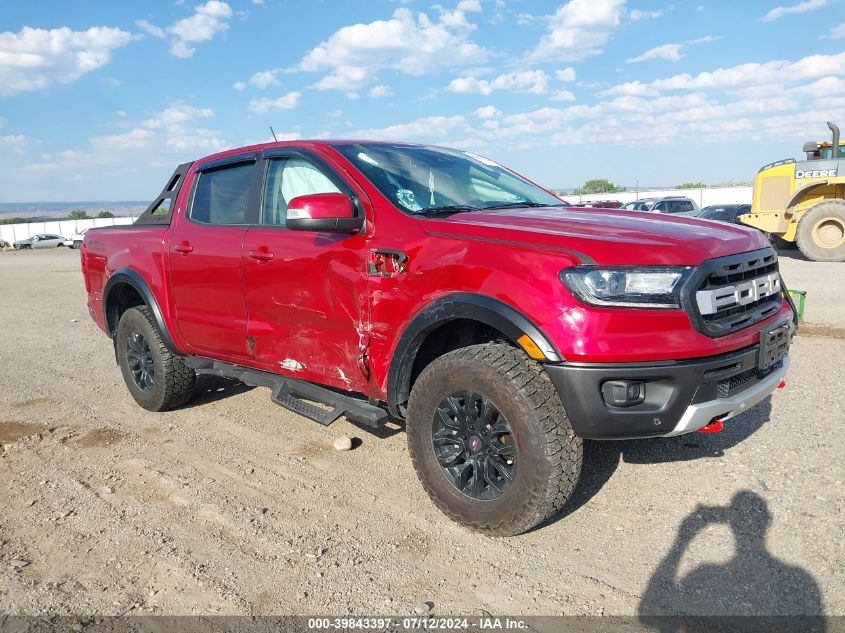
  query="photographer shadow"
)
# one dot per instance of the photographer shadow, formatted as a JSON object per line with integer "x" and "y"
{"x": 601, "y": 459}
{"x": 752, "y": 583}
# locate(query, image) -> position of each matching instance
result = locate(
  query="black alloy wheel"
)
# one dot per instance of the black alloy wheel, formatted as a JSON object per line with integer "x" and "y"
{"x": 474, "y": 445}
{"x": 139, "y": 356}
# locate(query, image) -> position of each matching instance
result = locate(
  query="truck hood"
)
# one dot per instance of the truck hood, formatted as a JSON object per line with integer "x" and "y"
{"x": 605, "y": 236}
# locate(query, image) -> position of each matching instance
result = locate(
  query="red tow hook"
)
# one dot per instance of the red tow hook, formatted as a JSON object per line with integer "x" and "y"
{"x": 714, "y": 427}
{"x": 782, "y": 384}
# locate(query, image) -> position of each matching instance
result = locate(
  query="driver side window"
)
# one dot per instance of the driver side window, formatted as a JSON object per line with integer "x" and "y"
{"x": 289, "y": 178}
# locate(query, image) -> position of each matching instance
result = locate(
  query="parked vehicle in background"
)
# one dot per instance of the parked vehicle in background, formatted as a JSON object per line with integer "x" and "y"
{"x": 43, "y": 240}
{"x": 437, "y": 287}
{"x": 603, "y": 204}
{"x": 724, "y": 212}
{"x": 668, "y": 204}
{"x": 643, "y": 204}
{"x": 75, "y": 240}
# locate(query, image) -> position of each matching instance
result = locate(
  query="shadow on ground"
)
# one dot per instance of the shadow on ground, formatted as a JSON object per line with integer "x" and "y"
{"x": 752, "y": 583}
{"x": 210, "y": 389}
{"x": 601, "y": 459}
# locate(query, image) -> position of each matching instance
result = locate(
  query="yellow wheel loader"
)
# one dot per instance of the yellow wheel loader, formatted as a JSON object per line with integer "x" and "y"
{"x": 804, "y": 201}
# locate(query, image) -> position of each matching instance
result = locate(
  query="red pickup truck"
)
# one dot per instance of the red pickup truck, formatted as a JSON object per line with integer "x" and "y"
{"x": 389, "y": 281}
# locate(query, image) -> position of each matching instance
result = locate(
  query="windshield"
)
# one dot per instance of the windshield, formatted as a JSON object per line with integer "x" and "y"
{"x": 421, "y": 179}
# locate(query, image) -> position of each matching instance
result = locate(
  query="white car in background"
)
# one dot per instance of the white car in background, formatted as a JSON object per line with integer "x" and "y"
{"x": 75, "y": 240}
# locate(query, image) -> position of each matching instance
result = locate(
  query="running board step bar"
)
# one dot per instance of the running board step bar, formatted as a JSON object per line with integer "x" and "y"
{"x": 293, "y": 394}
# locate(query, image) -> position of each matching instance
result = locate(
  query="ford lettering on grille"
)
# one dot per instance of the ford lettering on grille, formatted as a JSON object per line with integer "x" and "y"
{"x": 744, "y": 293}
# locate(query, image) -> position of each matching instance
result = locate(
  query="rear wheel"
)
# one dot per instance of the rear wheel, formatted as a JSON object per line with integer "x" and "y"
{"x": 821, "y": 232}
{"x": 490, "y": 440}
{"x": 157, "y": 378}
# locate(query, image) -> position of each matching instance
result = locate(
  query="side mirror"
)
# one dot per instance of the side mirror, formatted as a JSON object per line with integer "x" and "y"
{"x": 329, "y": 212}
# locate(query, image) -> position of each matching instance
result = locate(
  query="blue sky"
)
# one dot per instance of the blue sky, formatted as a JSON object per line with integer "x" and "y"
{"x": 101, "y": 99}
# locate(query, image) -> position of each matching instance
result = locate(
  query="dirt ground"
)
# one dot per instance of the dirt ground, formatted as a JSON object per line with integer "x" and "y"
{"x": 232, "y": 505}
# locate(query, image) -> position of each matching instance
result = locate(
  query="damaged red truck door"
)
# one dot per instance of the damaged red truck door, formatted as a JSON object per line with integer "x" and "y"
{"x": 306, "y": 293}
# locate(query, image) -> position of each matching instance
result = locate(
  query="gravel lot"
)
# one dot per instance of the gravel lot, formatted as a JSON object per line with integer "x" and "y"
{"x": 232, "y": 505}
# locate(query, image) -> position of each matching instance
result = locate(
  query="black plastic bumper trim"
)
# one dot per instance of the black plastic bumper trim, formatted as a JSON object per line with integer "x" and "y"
{"x": 670, "y": 389}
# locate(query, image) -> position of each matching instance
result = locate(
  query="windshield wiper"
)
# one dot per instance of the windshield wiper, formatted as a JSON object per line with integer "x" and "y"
{"x": 509, "y": 205}
{"x": 449, "y": 208}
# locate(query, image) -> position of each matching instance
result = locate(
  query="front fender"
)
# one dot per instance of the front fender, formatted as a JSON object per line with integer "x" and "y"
{"x": 460, "y": 305}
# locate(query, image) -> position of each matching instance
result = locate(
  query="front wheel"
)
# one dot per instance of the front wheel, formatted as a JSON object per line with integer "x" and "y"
{"x": 490, "y": 440}
{"x": 157, "y": 378}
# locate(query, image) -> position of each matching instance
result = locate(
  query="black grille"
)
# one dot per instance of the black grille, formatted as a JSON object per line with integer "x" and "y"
{"x": 719, "y": 273}
{"x": 729, "y": 386}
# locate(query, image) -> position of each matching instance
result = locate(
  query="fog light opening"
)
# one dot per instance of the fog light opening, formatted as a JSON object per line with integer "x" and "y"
{"x": 623, "y": 393}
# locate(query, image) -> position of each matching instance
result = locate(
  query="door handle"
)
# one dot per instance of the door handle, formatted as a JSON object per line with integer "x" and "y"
{"x": 183, "y": 248}
{"x": 261, "y": 254}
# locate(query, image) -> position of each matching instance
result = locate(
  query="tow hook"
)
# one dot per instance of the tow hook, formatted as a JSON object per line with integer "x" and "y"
{"x": 782, "y": 384}
{"x": 714, "y": 427}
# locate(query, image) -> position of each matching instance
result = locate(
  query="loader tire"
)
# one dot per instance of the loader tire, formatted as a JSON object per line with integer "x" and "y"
{"x": 821, "y": 232}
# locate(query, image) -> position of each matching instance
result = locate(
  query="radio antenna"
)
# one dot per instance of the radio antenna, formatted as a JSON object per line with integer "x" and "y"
{"x": 273, "y": 133}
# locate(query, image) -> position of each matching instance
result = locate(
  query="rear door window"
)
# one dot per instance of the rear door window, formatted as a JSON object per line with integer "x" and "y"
{"x": 221, "y": 195}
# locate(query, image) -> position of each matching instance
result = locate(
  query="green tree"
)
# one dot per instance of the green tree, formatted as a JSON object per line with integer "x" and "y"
{"x": 105, "y": 214}
{"x": 691, "y": 185}
{"x": 598, "y": 185}
{"x": 77, "y": 214}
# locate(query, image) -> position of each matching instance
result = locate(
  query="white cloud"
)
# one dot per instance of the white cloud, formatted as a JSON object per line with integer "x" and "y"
{"x": 382, "y": 90}
{"x": 427, "y": 127}
{"x": 579, "y": 29}
{"x": 671, "y": 52}
{"x": 837, "y": 32}
{"x": 803, "y": 7}
{"x": 469, "y": 5}
{"x": 177, "y": 114}
{"x": 563, "y": 95}
{"x": 286, "y": 102}
{"x": 565, "y": 74}
{"x": 775, "y": 72}
{"x": 354, "y": 55}
{"x": 169, "y": 136}
{"x": 14, "y": 142}
{"x": 261, "y": 80}
{"x": 488, "y": 112}
{"x": 148, "y": 27}
{"x": 32, "y": 59}
{"x": 532, "y": 81}
{"x": 637, "y": 14}
{"x": 826, "y": 86}
{"x": 208, "y": 20}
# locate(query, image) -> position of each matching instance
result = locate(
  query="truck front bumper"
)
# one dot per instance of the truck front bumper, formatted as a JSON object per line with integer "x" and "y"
{"x": 679, "y": 396}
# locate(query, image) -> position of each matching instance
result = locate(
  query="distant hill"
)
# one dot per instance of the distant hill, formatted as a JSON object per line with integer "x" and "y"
{"x": 52, "y": 210}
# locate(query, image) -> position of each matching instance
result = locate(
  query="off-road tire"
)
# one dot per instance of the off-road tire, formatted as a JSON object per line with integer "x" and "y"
{"x": 832, "y": 214}
{"x": 548, "y": 453}
{"x": 173, "y": 381}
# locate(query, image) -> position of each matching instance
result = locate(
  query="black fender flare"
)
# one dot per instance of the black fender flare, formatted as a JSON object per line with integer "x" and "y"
{"x": 460, "y": 305}
{"x": 132, "y": 278}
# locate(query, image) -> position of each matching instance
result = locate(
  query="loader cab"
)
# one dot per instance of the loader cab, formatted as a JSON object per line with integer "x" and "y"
{"x": 822, "y": 151}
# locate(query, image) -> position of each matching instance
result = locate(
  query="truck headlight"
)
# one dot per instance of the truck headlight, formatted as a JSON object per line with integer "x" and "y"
{"x": 646, "y": 287}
